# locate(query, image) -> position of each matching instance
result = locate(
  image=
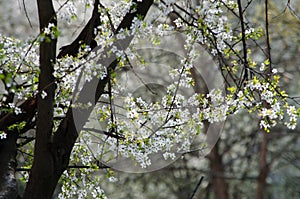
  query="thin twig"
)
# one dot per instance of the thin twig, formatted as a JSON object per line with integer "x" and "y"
{"x": 197, "y": 186}
{"x": 26, "y": 14}
{"x": 269, "y": 71}
{"x": 243, "y": 41}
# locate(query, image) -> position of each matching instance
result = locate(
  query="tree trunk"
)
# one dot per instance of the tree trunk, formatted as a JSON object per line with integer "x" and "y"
{"x": 43, "y": 165}
{"x": 8, "y": 150}
{"x": 219, "y": 184}
{"x": 263, "y": 168}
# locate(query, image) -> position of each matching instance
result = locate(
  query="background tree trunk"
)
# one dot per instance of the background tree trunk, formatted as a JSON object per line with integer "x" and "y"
{"x": 219, "y": 184}
{"x": 263, "y": 168}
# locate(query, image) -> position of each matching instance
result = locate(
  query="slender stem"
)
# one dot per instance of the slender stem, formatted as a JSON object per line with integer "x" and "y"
{"x": 243, "y": 41}
{"x": 269, "y": 71}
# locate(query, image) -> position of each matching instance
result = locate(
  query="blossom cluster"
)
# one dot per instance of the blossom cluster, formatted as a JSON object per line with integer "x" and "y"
{"x": 80, "y": 182}
{"x": 264, "y": 97}
{"x": 67, "y": 12}
{"x": 19, "y": 70}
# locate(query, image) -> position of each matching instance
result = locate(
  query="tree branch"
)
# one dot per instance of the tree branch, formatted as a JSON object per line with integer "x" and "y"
{"x": 87, "y": 35}
{"x": 244, "y": 42}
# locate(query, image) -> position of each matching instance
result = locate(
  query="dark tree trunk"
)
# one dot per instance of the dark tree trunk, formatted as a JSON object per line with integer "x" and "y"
{"x": 41, "y": 183}
{"x": 8, "y": 150}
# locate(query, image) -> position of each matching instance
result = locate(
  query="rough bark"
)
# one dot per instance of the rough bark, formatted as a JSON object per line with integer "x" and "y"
{"x": 8, "y": 148}
{"x": 8, "y": 184}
